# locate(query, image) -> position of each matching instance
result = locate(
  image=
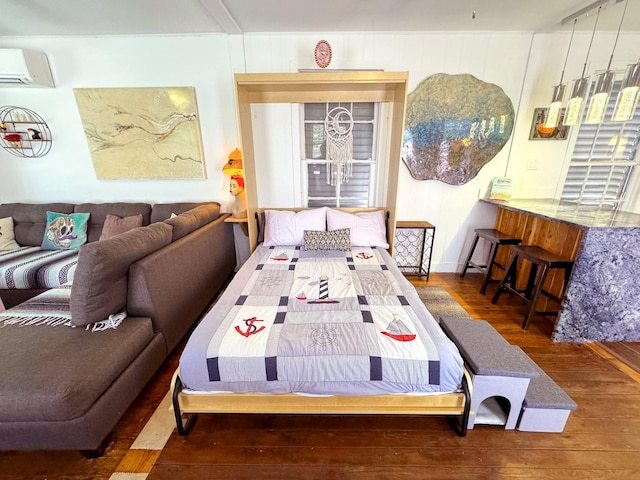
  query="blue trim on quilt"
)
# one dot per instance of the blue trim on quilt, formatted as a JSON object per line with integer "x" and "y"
{"x": 241, "y": 299}
{"x": 366, "y": 316}
{"x": 375, "y": 369}
{"x": 271, "y": 368}
{"x": 434, "y": 372}
{"x": 213, "y": 369}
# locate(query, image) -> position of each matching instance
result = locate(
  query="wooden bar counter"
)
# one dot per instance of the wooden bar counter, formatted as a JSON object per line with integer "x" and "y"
{"x": 602, "y": 299}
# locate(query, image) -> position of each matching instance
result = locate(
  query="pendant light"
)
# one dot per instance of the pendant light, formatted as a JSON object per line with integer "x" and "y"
{"x": 579, "y": 90}
{"x": 600, "y": 97}
{"x": 553, "y": 112}
{"x": 628, "y": 96}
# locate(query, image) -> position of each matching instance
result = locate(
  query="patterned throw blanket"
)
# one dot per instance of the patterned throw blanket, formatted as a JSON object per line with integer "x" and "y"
{"x": 51, "y": 308}
{"x": 323, "y": 322}
{"x": 32, "y": 267}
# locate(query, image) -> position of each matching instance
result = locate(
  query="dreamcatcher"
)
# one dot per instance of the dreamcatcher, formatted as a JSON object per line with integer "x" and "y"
{"x": 338, "y": 126}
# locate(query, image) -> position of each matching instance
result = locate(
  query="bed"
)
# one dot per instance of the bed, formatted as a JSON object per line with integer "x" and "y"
{"x": 319, "y": 320}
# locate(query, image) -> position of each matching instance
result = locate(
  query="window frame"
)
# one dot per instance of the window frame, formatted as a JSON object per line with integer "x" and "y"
{"x": 376, "y": 162}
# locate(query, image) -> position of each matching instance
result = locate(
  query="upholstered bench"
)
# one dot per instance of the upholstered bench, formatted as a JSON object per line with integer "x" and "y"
{"x": 497, "y": 369}
{"x": 546, "y": 406}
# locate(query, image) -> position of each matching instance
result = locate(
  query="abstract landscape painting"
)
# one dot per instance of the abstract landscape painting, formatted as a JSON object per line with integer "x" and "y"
{"x": 142, "y": 133}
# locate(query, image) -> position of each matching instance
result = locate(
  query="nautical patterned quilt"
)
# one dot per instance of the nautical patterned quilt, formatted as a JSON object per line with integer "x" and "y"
{"x": 320, "y": 322}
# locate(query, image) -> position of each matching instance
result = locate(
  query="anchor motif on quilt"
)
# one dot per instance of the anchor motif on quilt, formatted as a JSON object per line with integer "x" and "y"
{"x": 364, "y": 256}
{"x": 251, "y": 328}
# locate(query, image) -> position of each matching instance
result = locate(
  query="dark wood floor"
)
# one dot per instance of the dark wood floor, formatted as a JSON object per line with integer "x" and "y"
{"x": 626, "y": 352}
{"x": 601, "y": 440}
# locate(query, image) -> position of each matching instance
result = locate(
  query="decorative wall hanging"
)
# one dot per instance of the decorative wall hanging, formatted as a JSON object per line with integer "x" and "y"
{"x": 23, "y": 132}
{"x": 454, "y": 125}
{"x": 142, "y": 133}
{"x": 338, "y": 126}
{"x": 322, "y": 54}
{"x": 539, "y": 130}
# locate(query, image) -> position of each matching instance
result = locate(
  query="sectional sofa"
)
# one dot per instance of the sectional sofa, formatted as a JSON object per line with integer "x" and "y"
{"x": 66, "y": 383}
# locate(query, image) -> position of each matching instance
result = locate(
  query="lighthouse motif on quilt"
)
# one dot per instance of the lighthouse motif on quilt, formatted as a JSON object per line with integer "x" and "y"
{"x": 323, "y": 293}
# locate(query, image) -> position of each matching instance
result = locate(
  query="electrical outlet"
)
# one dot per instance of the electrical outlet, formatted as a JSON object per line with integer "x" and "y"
{"x": 532, "y": 164}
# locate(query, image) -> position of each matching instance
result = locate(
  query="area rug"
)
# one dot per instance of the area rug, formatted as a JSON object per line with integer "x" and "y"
{"x": 440, "y": 303}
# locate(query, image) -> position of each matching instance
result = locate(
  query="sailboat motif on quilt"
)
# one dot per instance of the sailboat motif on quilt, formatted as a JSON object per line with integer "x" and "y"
{"x": 398, "y": 331}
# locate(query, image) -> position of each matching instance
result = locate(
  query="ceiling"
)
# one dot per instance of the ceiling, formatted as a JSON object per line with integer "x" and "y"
{"x": 165, "y": 17}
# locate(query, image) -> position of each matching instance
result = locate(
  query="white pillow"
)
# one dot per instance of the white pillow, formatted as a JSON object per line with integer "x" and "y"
{"x": 283, "y": 227}
{"x": 367, "y": 228}
{"x": 7, "y": 239}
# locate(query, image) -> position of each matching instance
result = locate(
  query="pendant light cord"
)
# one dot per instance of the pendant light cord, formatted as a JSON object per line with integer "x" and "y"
{"x": 593, "y": 34}
{"x": 618, "y": 34}
{"x": 568, "y": 50}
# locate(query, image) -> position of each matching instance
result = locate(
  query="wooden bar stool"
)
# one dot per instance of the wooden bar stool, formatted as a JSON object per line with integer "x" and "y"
{"x": 495, "y": 238}
{"x": 540, "y": 259}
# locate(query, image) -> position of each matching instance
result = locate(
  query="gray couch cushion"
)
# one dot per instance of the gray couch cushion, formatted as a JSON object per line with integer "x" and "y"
{"x": 99, "y": 212}
{"x": 162, "y": 211}
{"x": 100, "y": 281}
{"x": 193, "y": 219}
{"x": 30, "y": 219}
{"x": 62, "y": 370}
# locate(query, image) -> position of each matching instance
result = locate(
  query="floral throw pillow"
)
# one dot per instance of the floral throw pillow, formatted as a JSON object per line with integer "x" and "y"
{"x": 65, "y": 231}
{"x": 321, "y": 240}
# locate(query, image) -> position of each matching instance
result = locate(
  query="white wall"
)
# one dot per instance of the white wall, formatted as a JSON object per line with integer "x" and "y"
{"x": 524, "y": 66}
{"x": 66, "y": 172}
{"x": 494, "y": 58}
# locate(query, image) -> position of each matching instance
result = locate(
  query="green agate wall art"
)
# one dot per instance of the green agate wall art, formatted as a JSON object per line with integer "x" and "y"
{"x": 454, "y": 125}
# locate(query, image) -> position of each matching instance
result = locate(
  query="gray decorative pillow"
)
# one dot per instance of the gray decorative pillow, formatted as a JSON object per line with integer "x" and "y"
{"x": 333, "y": 240}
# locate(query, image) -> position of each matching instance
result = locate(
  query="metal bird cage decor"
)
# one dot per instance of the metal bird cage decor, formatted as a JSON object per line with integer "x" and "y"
{"x": 23, "y": 132}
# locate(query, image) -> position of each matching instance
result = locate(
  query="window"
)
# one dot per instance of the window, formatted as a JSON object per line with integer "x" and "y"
{"x": 359, "y": 191}
{"x": 603, "y": 159}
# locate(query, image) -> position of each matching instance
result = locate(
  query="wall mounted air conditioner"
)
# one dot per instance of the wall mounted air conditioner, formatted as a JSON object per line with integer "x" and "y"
{"x": 24, "y": 68}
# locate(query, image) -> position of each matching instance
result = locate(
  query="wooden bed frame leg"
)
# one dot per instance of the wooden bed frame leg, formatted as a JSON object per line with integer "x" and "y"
{"x": 461, "y": 428}
{"x": 184, "y": 423}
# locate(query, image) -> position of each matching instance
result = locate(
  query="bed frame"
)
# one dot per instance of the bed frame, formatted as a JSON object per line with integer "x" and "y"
{"x": 186, "y": 405}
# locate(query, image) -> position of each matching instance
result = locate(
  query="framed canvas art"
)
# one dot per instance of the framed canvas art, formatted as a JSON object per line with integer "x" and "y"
{"x": 142, "y": 133}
